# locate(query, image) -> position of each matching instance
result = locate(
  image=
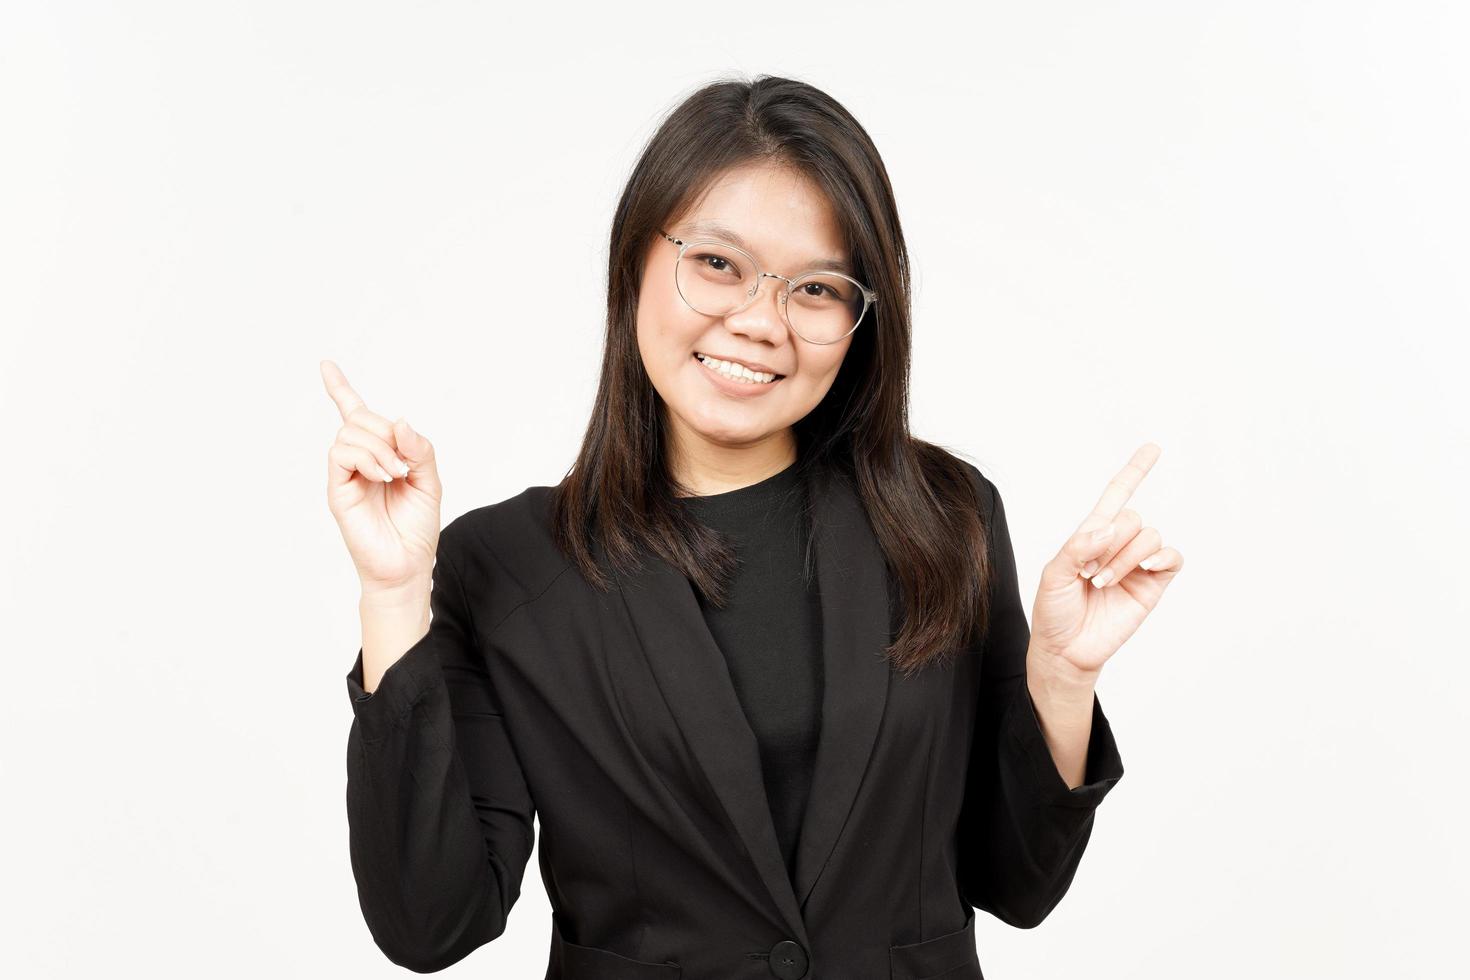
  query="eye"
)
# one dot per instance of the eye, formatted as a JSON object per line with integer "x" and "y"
{"x": 815, "y": 290}
{"x": 724, "y": 266}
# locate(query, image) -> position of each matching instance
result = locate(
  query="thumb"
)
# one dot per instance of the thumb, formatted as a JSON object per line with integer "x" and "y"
{"x": 1082, "y": 547}
{"x": 422, "y": 469}
{"x": 411, "y": 445}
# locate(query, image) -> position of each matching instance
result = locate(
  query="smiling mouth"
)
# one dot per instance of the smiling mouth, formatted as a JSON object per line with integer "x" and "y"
{"x": 736, "y": 372}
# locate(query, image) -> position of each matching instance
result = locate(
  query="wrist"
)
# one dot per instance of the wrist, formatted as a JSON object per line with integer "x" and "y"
{"x": 393, "y": 621}
{"x": 1053, "y": 678}
{"x": 395, "y": 598}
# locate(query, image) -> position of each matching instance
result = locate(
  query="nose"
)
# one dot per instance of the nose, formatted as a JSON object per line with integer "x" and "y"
{"x": 763, "y": 318}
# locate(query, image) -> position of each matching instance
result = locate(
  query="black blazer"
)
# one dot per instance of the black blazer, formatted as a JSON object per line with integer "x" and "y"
{"x": 613, "y": 717}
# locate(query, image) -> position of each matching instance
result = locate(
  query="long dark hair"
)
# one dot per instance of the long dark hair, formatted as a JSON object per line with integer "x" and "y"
{"x": 921, "y": 503}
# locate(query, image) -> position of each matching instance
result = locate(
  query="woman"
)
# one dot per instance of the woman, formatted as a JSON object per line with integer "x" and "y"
{"x": 758, "y": 662}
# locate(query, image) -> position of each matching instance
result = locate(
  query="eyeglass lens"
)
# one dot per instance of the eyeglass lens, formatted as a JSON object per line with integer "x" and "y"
{"x": 717, "y": 280}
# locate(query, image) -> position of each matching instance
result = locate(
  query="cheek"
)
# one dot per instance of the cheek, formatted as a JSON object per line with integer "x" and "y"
{"x": 819, "y": 369}
{"x": 664, "y": 338}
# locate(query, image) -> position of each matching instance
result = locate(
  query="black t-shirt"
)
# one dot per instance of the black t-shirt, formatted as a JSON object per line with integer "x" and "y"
{"x": 770, "y": 633}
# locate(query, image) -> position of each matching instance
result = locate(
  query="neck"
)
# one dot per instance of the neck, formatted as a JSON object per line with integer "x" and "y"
{"x": 701, "y": 467}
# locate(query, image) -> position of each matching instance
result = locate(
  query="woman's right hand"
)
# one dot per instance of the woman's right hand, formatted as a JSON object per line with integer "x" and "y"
{"x": 391, "y": 526}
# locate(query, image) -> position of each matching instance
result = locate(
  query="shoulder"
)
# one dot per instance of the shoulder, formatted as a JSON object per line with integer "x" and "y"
{"x": 505, "y": 551}
{"x": 985, "y": 494}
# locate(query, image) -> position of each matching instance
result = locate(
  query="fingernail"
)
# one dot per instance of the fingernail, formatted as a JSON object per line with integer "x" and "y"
{"x": 1103, "y": 578}
{"x": 402, "y": 468}
{"x": 1089, "y": 568}
{"x": 1149, "y": 562}
{"x": 387, "y": 477}
{"x": 1103, "y": 533}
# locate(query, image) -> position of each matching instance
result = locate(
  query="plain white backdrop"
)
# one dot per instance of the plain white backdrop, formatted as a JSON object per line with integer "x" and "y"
{"x": 1239, "y": 231}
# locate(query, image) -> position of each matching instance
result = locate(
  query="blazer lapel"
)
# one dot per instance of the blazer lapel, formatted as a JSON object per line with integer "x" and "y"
{"x": 856, "y": 628}
{"x": 691, "y": 672}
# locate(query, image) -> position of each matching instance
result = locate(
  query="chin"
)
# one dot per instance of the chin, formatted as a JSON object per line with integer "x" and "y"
{"x": 720, "y": 421}
{"x": 730, "y": 433}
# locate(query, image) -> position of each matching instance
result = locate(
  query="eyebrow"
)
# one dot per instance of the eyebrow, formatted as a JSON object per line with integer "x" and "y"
{"x": 721, "y": 231}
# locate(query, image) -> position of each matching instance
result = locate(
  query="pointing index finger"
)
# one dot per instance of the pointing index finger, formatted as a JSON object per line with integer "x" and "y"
{"x": 1122, "y": 485}
{"x": 347, "y": 400}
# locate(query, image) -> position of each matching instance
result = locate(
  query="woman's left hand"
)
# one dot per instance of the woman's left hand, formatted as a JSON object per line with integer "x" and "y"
{"x": 1077, "y": 626}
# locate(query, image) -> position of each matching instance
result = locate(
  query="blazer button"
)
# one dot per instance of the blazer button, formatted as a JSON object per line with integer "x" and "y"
{"x": 788, "y": 960}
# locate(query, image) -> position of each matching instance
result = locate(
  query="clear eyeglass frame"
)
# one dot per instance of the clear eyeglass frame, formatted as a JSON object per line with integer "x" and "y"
{"x": 869, "y": 296}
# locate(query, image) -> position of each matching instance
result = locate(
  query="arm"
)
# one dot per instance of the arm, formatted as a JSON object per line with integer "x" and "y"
{"x": 1023, "y": 829}
{"x": 440, "y": 818}
{"x": 1064, "y": 710}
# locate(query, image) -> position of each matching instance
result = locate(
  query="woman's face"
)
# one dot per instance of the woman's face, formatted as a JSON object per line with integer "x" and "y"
{"x": 789, "y": 227}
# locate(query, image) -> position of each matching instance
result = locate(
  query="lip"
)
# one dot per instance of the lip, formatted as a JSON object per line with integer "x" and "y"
{"x": 739, "y": 389}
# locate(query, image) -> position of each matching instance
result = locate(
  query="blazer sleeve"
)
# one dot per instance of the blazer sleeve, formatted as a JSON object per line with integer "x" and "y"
{"x": 1022, "y": 830}
{"x": 439, "y": 814}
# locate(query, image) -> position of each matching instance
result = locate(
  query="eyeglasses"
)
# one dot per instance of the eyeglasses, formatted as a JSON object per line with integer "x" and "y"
{"x": 717, "y": 279}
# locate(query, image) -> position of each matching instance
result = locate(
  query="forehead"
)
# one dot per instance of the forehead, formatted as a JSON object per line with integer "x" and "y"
{"x": 774, "y": 213}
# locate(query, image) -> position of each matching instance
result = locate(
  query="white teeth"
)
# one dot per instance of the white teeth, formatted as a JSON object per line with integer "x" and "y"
{"x": 735, "y": 372}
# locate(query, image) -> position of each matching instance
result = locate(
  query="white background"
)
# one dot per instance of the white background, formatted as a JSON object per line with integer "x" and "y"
{"x": 1238, "y": 230}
